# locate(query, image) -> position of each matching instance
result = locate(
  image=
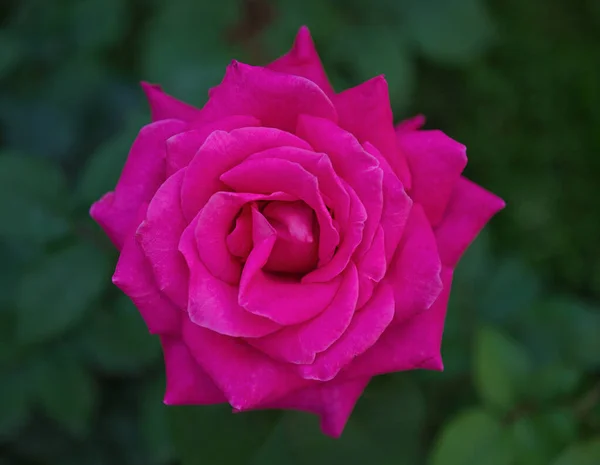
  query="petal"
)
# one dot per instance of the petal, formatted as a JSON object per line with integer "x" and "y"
{"x": 364, "y": 331}
{"x": 283, "y": 300}
{"x": 411, "y": 124}
{"x": 142, "y": 175}
{"x": 436, "y": 162}
{"x": 300, "y": 343}
{"x": 365, "y": 111}
{"x": 303, "y": 60}
{"x": 410, "y": 345}
{"x": 246, "y": 376}
{"x": 373, "y": 264}
{"x": 159, "y": 236}
{"x": 469, "y": 209}
{"x": 270, "y": 175}
{"x": 222, "y": 151}
{"x": 187, "y": 383}
{"x": 181, "y": 148}
{"x": 276, "y": 99}
{"x": 415, "y": 269}
{"x": 133, "y": 275}
{"x": 332, "y": 401}
{"x": 163, "y": 106}
{"x": 213, "y": 303}
{"x": 239, "y": 241}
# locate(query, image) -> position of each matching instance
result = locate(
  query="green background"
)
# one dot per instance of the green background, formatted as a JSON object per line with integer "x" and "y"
{"x": 517, "y": 81}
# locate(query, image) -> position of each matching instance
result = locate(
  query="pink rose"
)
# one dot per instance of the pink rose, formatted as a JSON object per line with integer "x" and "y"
{"x": 286, "y": 242}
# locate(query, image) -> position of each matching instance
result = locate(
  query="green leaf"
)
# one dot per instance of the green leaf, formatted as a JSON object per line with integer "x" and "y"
{"x": 11, "y": 52}
{"x": 551, "y": 381}
{"x": 473, "y": 437}
{"x": 449, "y": 31}
{"x": 99, "y": 23}
{"x": 203, "y": 434}
{"x": 153, "y": 423}
{"x": 501, "y": 368}
{"x": 65, "y": 389}
{"x": 15, "y": 400}
{"x": 32, "y": 198}
{"x": 54, "y": 295}
{"x": 583, "y": 453}
{"x": 117, "y": 341}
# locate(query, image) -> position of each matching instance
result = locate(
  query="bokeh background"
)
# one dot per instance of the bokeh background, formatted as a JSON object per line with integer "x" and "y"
{"x": 517, "y": 81}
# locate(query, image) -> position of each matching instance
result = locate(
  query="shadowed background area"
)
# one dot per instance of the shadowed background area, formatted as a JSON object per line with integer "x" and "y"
{"x": 518, "y": 82}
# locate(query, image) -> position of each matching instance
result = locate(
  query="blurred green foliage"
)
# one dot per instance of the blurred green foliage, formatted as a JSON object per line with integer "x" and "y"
{"x": 81, "y": 380}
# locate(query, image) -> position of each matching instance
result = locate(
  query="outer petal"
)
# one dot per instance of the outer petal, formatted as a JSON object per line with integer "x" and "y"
{"x": 410, "y": 345}
{"x": 469, "y": 209}
{"x": 163, "y": 106}
{"x": 365, "y": 111}
{"x": 411, "y": 124}
{"x": 187, "y": 383}
{"x": 221, "y": 152}
{"x": 247, "y": 377}
{"x": 364, "y": 331}
{"x": 303, "y": 60}
{"x": 142, "y": 175}
{"x": 332, "y": 401}
{"x": 436, "y": 162}
{"x": 274, "y": 98}
{"x": 134, "y": 277}
{"x": 300, "y": 343}
{"x": 181, "y": 148}
{"x": 213, "y": 303}
{"x": 415, "y": 269}
{"x": 159, "y": 236}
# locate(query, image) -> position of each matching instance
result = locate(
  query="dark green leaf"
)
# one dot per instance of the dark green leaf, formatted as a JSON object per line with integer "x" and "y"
{"x": 55, "y": 294}
{"x": 583, "y": 453}
{"x": 15, "y": 400}
{"x": 551, "y": 381}
{"x": 99, "y": 23}
{"x": 11, "y": 52}
{"x": 153, "y": 424}
{"x": 501, "y": 368}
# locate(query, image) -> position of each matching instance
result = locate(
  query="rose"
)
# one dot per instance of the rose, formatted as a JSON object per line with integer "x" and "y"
{"x": 285, "y": 242}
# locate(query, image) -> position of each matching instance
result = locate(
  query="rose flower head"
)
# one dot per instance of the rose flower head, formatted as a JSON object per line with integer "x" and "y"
{"x": 286, "y": 242}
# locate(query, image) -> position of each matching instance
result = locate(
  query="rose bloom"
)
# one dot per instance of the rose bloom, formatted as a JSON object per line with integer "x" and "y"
{"x": 286, "y": 242}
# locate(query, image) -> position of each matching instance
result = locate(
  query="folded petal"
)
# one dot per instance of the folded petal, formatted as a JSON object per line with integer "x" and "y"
{"x": 413, "y": 344}
{"x": 411, "y": 124}
{"x": 469, "y": 209}
{"x": 213, "y": 304}
{"x": 187, "y": 383}
{"x": 133, "y": 275}
{"x": 239, "y": 241}
{"x": 332, "y": 401}
{"x": 303, "y": 60}
{"x": 163, "y": 106}
{"x": 159, "y": 236}
{"x": 142, "y": 175}
{"x": 181, "y": 148}
{"x": 436, "y": 162}
{"x": 415, "y": 269}
{"x": 365, "y": 329}
{"x": 365, "y": 111}
{"x": 276, "y": 99}
{"x": 300, "y": 343}
{"x": 246, "y": 376}
{"x": 222, "y": 151}
{"x": 282, "y": 299}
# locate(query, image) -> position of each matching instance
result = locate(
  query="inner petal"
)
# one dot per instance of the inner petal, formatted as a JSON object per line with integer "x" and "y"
{"x": 296, "y": 248}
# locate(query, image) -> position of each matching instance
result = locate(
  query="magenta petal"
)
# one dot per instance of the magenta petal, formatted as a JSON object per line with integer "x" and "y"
{"x": 300, "y": 343}
{"x": 332, "y": 401}
{"x": 239, "y": 241}
{"x": 134, "y": 277}
{"x": 222, "y": 151}
{"x": 412, "y": 344}
{"x": 187, "y": 383}
{"x": 365, "y": 111}
{"x": 436, "y": 162}
{"x": 282, "y": 300}
{"x": 276, "y": 99}
{"x": 142, "y": 175}
{"x": 469, "y": 209}
{"x": 163, "y": 106}
{"x": 364, "y": 331}
{"x": 159, "y": 236}
{"x": 181, "y": 148}
{"x": 411, "y": 124}
{"x": 246, "y": 376}
{"x": 303, "y": 60}
{"x": 213, "y": 304}
{"x": 415, "y": 269}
